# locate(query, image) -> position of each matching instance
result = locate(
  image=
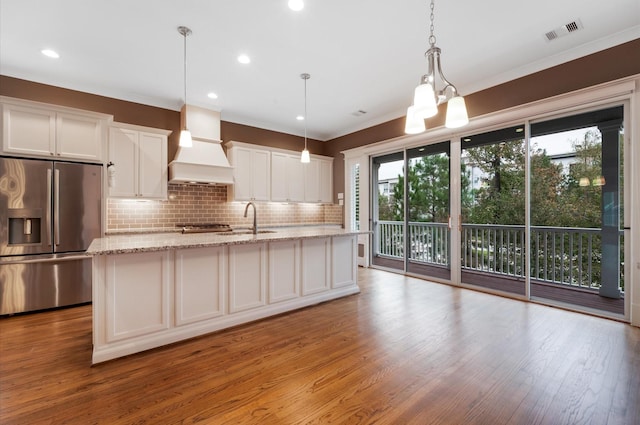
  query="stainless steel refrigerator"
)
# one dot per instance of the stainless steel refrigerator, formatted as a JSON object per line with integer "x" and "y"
{"x": 50, "y": 211}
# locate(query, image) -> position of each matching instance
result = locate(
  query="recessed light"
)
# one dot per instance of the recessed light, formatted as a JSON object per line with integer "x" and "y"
{"x": 300, "y": 118}
{"x": 212, "y": 95}
{"x": 244, "y": 59}
{"x": 50, "y": 53}
{"x": 296, "y": 5}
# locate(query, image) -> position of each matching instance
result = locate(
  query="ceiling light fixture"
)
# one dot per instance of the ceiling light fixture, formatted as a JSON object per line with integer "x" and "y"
{"x": 427, "y": 98}
{"x": 185, "y": 134}
{"x": 304, "y": 157}
{"x": 50, "y": 53}
{"x": 296, "y": 5}
{"x": 212, "y": 95}
{"x": 244, "y": 59}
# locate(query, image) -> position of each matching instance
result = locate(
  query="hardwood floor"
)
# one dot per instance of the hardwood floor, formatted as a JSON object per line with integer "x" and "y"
{"x": 404, "y": 351}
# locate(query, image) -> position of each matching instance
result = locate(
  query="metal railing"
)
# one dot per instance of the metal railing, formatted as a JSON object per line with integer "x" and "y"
{"x": 562, "y": 255}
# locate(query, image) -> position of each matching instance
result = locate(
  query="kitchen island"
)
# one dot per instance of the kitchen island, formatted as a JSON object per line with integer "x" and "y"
{"x": 151, "y": 290}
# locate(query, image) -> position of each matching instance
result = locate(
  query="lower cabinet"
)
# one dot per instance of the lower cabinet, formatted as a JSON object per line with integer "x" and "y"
{"x": 345, "y": 256}
{"x": 200, "y": 277}
{"x": 284, "y": 270}
{"x": 137, "y": 295}
{"x": 149, "y": 299}
{"x": 247, "y": 276}
{"x": 315, "y": 265}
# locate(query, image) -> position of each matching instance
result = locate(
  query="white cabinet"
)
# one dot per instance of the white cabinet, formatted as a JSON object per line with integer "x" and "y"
{"x": 272, "y": 174}
{"x": 137, "y": 294}
{"x": 138, "y": 156}
{"x": 318, "y": 181}
{"x": 287, "y": 178}
{"x": 344, "y": 261}
{"x": 326, "y": 181}
{"x": 284, "y": 270}
{"x": 316, "y": 268}
{"x": 200, "y": 279}
{"x": 251, "y": 173}
{"x": 143, "y": 300}
{"x": 312, "y": 181}
{"x": 41, "y": 131}
{"x": 247, "y": 276}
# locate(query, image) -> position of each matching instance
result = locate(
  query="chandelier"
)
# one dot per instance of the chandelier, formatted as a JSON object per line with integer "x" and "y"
{"x": 427, "y": 96}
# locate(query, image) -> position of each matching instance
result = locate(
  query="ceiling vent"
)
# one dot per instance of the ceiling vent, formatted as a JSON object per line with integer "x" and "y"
{"x": 564, "y": 30}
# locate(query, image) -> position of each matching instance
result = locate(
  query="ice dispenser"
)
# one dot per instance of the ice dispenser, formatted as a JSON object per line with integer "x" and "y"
{"x": 25, "y": 227}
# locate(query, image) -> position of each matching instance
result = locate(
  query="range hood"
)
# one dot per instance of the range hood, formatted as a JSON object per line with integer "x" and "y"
{"x": 204, "y": 162}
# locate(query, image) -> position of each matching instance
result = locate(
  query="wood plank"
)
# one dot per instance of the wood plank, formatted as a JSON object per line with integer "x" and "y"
{"x": 403, "y": 351}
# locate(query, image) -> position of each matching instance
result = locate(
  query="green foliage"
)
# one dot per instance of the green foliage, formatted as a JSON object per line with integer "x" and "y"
{"x": 556, "y": 199}
{"x": 428, "y": 179}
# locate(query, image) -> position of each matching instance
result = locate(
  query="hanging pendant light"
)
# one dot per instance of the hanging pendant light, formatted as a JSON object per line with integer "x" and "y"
{"x": 427, "y": 97}
{"x": 304, "y": 157}
{"x": 414, "y": 123}
{"x": 185, "y": 134}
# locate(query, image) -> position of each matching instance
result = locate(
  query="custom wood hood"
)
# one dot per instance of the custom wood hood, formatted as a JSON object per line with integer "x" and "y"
{"x": 205, "y": 162}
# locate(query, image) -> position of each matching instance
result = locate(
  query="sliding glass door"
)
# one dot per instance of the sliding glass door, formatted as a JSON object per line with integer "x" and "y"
{"x": 411, "y": 211}
{"x": 539, "y": 210}
{"x": 493, "y": 193}
{"x": 427, "y": 213}
{"x": 577, "y": 239}
{"x": 387, "y": 201}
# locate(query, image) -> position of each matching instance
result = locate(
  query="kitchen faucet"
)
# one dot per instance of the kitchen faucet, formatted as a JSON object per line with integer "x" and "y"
{"x": 255, "y": 224}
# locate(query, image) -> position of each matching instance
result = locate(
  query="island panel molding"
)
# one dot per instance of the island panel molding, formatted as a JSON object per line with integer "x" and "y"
{"x": 284, "y": 270}
{"x": 200, "y": 274}
{"x": 154, "y": 290}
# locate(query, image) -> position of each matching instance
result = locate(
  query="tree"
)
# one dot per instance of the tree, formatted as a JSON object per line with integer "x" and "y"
{"x": 500, "y": 197}
{"x": 428, "y": 181}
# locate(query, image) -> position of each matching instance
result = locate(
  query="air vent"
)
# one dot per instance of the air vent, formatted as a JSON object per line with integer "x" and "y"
{"x": 358, "y": 113}
{"x": 564, "y": 30}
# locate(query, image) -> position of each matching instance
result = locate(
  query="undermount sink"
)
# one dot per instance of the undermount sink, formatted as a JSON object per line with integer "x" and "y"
{"x": 245, "y": 232}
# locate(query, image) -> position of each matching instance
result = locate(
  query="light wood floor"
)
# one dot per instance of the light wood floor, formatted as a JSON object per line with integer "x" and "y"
{"x": 404, "y": 351}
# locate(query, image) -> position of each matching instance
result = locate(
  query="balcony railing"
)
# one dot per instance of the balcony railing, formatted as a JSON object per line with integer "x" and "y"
{"x": 561, "y": 255}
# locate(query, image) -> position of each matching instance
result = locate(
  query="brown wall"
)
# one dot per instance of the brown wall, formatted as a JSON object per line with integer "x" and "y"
{"x": 611, "y": 64}
{"x": 258, "y": 136}
{"x": 150, "y": 116}
{"x": 122, "y": 111}
{"x": 608, "y": 65}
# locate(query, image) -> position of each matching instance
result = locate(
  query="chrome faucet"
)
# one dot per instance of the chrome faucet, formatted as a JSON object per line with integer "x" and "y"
{"x": 255, "y": 224}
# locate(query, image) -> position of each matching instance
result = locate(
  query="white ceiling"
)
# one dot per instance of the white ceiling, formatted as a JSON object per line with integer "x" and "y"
{"x": 361, "y": 54}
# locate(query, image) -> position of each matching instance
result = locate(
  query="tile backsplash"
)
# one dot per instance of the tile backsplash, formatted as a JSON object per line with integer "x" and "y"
{"x": 208, "y": 204}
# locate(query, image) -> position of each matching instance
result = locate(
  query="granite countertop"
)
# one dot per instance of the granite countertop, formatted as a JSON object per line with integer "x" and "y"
{"x": 121, "y": 244}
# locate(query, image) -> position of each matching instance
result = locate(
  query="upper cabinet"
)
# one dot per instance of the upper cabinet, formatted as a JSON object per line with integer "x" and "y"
{"x": 287, "y": 181}
{"x": 270, "y": 174}
{"x": 137, "y": 162}
{"x": 318, "y": 180}
{"x": 251, "y": 172}
{"x": 34, "y": 129}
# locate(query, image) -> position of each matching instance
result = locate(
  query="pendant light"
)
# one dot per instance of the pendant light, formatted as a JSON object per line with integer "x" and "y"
{"x": 427, "y": 98}
{"x": 185, "y": 134}
{"x": 304, "y": 157}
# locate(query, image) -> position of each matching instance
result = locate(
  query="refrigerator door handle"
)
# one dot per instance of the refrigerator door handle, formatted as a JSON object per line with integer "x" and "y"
{"x": 56, "y": 202}
{"x": 48, "y": 210}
